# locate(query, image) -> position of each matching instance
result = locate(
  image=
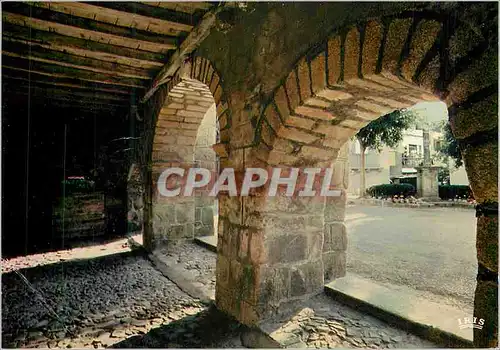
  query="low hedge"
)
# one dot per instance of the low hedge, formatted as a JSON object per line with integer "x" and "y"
{"x": 76, "y": 186}
{"x": 391, "y": 190}
{"x": 455, "y": 191}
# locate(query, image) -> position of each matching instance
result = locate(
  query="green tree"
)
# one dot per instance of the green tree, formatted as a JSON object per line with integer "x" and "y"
{"x": 386, "y": 130}
{"x": 448, "y": 147}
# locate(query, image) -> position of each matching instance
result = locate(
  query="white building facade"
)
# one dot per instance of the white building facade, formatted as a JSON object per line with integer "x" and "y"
{"x": 391, "y": 165}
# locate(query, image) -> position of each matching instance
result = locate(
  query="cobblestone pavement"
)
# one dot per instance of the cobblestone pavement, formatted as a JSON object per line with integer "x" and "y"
{"x": 85, "y": 250}
{"x": 122, "y": 301}
{"x": 197, "y": 265}
{"x": 118, "y": 300}
{"x": 325, "y": 323}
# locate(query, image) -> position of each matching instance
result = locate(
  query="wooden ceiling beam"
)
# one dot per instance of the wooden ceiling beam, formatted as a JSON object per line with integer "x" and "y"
{"x": 187, "y": 7}
{"x": 195, "y": 37}
{"x": 62, "y": 44}
{"x": 48, "y": 11}
{"x": 150, "y": 11}
{"x": 9, "y": 86}
{"x": 58, "y": 70}
{"x": 63, "y": 76}
{"x": 34, "y": 77}
{"x": 35, "y": 94}
{"x": 90, "y": 35}
{"x": 124, "y": 19}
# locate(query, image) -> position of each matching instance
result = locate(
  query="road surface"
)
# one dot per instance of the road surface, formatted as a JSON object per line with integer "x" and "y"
{"x": 431, "y": 250}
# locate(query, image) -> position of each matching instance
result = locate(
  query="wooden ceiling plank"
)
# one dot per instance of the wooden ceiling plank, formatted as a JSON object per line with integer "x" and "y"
{"x": 39, "y": 51}
{"x": 121, "y": 18}
{"x": 8, "y": 87}
{"x": 88, "y": 109}
{"x": 40, "y": 10}
{"x": 187, "y": 7}
{"x": 90, "y": 35}
{"x": 77, "y": 47}
{"x": 73, "y": 101}
{"x": 77, "y": 73}
{"x": 56, "y": 75}
{"x": 24, "y": 80}
{"x": 41, "y": 58}
{"x": 150, "y": 11}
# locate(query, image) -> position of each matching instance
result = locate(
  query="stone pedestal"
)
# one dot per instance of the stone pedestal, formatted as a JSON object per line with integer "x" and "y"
{"x": 427, "y": 183}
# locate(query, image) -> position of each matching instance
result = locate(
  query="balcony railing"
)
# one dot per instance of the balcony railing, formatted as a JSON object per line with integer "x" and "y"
{"x": 411, "y": 161}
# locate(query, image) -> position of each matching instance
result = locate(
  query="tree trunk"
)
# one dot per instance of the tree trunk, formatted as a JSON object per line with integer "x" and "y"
{"x": 362, "y": 189}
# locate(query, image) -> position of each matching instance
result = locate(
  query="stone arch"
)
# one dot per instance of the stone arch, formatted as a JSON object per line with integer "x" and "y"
{"x": 355, "y": 76}
{"x": 191, "y": 101}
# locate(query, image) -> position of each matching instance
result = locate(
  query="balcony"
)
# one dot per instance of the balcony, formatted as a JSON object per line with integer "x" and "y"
{"x": 411, "y": 161}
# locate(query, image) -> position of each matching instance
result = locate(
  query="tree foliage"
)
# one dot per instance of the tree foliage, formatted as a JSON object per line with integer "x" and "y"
{"x": 449, "y": 146}
{"x": 386, "y": 130}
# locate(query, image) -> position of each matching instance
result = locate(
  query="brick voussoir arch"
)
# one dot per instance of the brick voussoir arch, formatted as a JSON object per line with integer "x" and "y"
{"x": 180, "y": 106}
{"x": 370, "y": 69}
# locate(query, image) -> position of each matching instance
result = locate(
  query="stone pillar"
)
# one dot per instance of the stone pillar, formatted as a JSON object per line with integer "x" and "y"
{"x": 427, "y": 183}
{"x": 427, "y": 151}
{"x": 275, "y": 252}
{"x": 481, "y": 162}
{"x": 272, "y": 258}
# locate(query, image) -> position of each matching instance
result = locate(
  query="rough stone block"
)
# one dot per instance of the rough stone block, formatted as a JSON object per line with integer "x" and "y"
{"x": 371, "y": 47}
{"x": 335, "y": 208}
{"x": 481, "y": 116}
{"x": 481, "y": 163}
{"x": 351, "y": 54}
{"x": 481, "y": 73}
{"x": 296, "y": 135}
{"x": 258, "y": 253}
{"x": 315, "y": 113}
{"x": 396, "y": 37}
{"x": 304, "y": 79}
{"x": 334, "y": 265}
{"x": 274, "y": 286}
{"x": 281, "y": 101}
{"x": 318, "y": 72}
{"x": 292, "y": 90}
{"x": 307, "y": 279}
{"x": 333, "y": 60}
{"x": 334, "y": 95}
{"x": 486, "y": 307}
{"x": 299, "y": 122}
{"x": 273, "y": 117}
{"x": 487, "y": 242}
{"x": 287, "y": 248}
{"x": 315, "y": 243}
{"x": 335, "y": 237}
{"x": 422, "y": 41}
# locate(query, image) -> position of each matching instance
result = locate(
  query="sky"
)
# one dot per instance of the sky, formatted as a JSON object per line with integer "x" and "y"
{"x": 431, "y": 112}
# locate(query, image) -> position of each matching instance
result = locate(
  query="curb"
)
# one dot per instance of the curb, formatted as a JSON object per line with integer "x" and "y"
{"x": 433, "y": 334}
{"x": 173, "y": 274}
{"x": 206, "y": 245}
{"x": 383, "y": 203}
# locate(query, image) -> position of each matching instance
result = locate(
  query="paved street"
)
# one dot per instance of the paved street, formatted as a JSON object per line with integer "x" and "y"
{"x": 431, "y": 250}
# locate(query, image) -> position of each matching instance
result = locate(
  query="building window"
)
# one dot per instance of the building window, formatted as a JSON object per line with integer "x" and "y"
{"x": 412, "y": 150}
